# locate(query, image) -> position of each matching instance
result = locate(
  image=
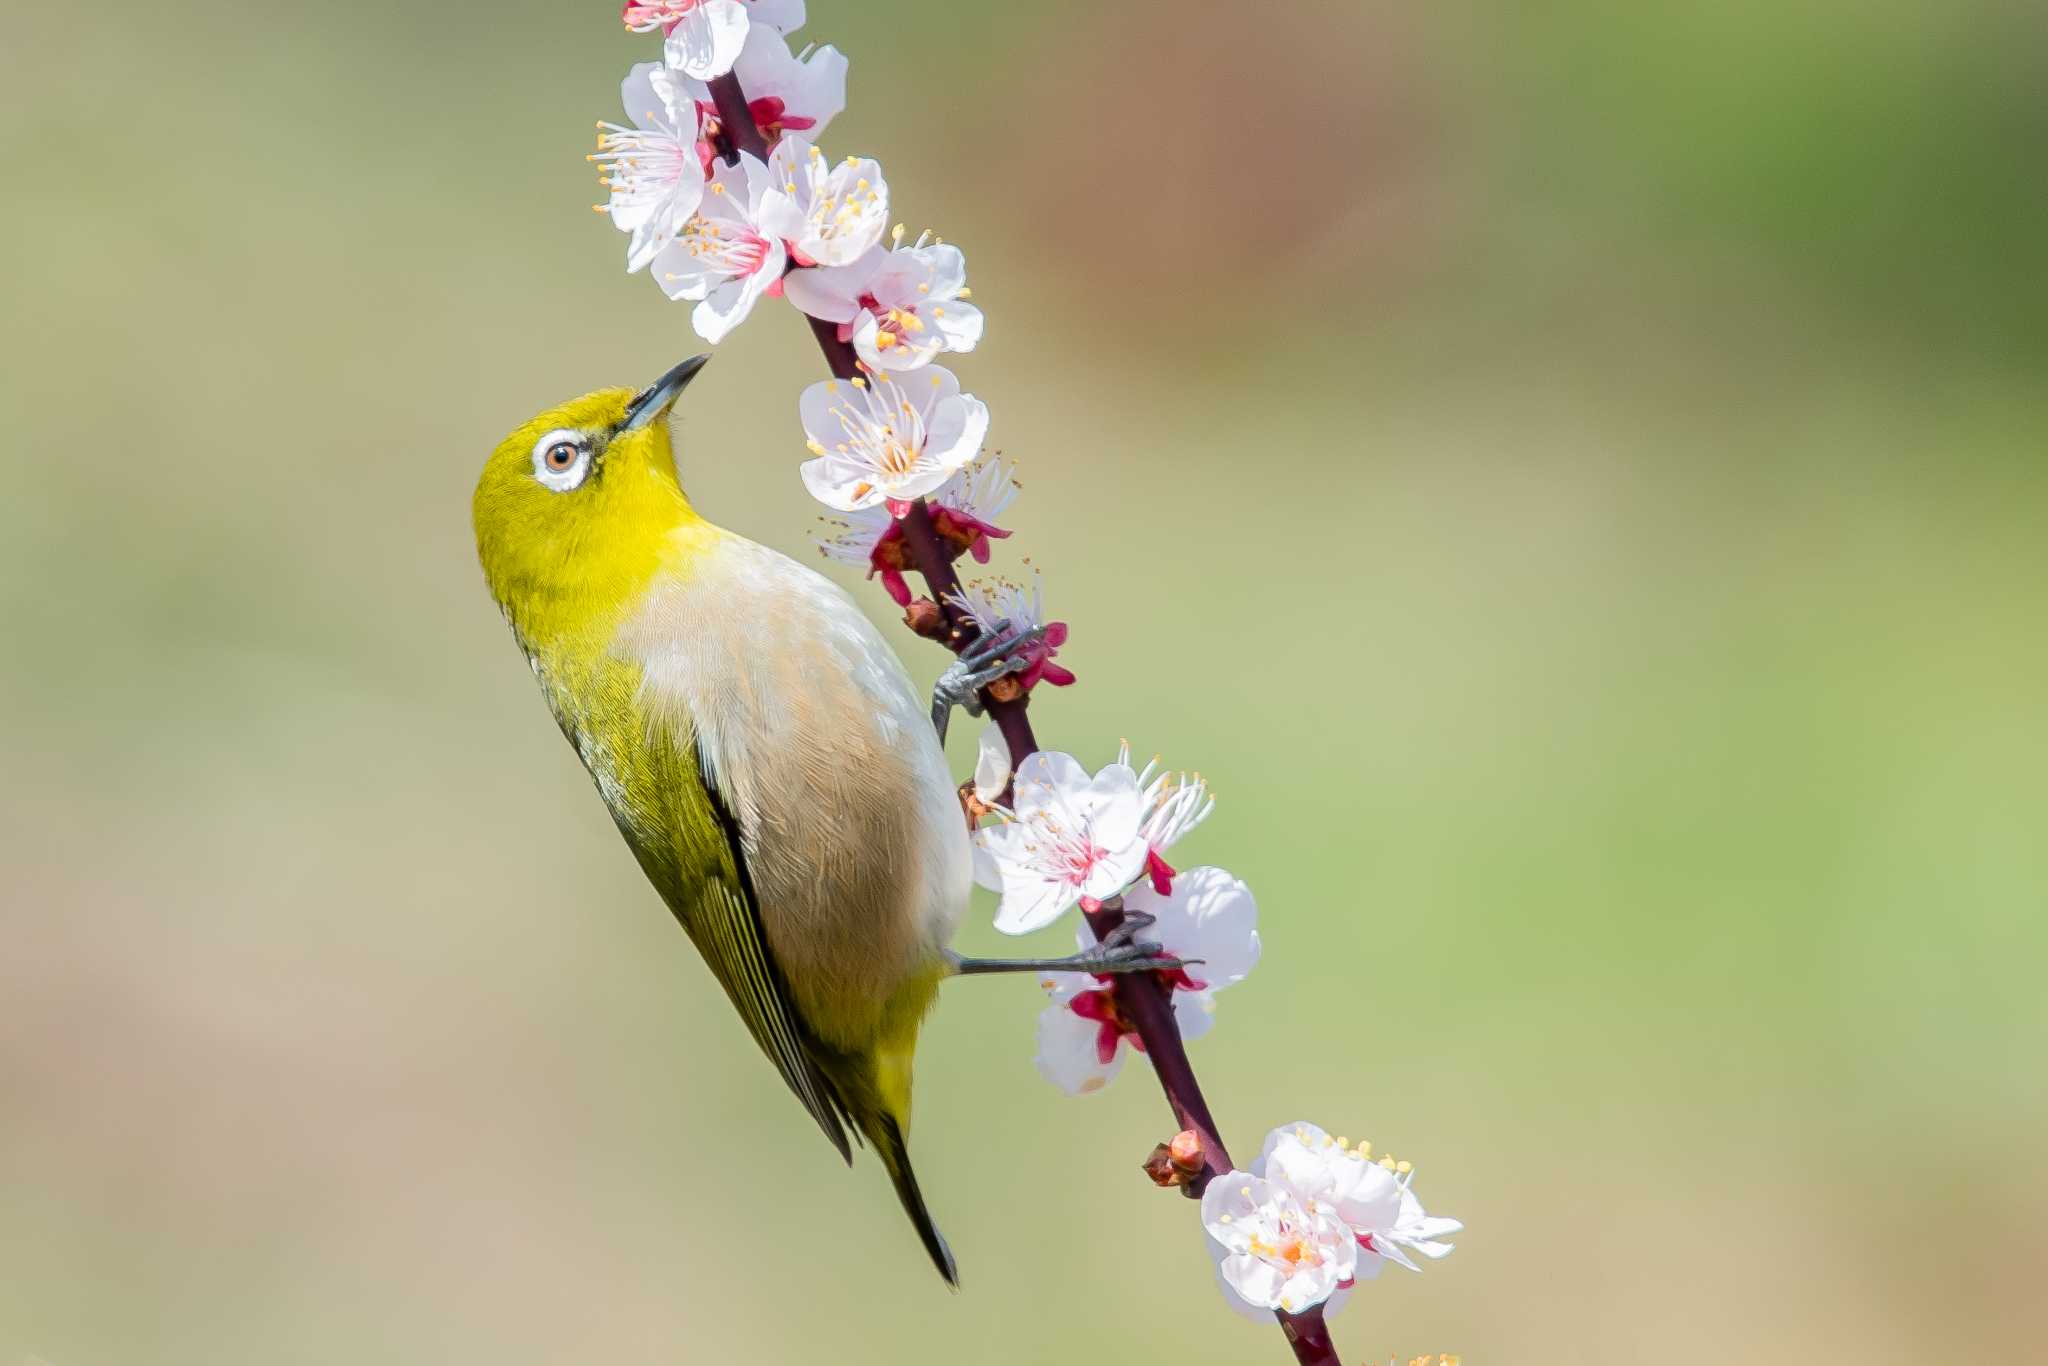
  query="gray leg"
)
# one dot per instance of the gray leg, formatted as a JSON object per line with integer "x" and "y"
{"x": 979, "y": 665}
{"x": 1121, "y": 952}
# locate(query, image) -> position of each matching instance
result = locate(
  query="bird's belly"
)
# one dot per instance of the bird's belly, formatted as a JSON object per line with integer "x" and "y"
{"x": 807, "y": 726}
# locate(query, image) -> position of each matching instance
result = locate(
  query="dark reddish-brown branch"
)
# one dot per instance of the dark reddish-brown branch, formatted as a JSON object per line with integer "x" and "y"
{"x": 1143, "y": 1000}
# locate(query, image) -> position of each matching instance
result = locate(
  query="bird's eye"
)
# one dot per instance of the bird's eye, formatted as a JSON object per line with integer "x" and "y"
{"x": 561, "y": 460}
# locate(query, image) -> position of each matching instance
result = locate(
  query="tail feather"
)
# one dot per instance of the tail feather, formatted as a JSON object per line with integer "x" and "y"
{"x": 887, "y": 1136}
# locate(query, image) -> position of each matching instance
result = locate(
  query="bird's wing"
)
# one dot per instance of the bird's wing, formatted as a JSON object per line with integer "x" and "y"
{"x": 695, "y": 857}
{"x": 745, "y": 964}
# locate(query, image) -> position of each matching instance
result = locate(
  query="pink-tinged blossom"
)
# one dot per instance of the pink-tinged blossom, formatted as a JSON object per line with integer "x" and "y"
{"x": 1211, "y": 917}
{"x": 645, "y": 16}
{"x": 1370, "y": 1194}
{"x": 657, "y": 168}
{"x": 1370, "y": 1197}
{"x": 1278, "y": 1250}
{"x": 899, "y": 308}
{"x": 963, "y": 511}
{"x": 990, "y": 602}
{"x": 722, "y": 258}
{"x": 1070, "y": 838}
{"x": 785, "y": 93}
{"x": 1175, "y": 803}
{"x": 1082, "y": 1036}
{"x": 829, "y": 214}
{"x": 881, "y": 443}
{"x": 704, "y": 36}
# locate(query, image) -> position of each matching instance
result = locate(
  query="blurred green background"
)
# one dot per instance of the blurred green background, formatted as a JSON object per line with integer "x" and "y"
{"x": 1571, "y": 475}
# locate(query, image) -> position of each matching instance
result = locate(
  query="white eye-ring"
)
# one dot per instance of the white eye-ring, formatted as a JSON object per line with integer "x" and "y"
{"x": 561, "y": 459}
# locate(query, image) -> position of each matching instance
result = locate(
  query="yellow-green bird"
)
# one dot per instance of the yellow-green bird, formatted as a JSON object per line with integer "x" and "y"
{"x": 760, "y": 748}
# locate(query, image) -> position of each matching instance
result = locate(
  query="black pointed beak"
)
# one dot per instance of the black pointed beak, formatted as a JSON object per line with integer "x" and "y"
{"x": 653, "y": 402}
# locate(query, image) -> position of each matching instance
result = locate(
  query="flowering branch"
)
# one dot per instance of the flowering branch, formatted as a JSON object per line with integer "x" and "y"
{"x": 738, "y": 133}
{"x": 728, "y": 202}
{"x": 1141, "y": 997}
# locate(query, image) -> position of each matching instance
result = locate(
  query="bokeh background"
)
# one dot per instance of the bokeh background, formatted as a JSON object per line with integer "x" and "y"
{"x": 1571, "y": 475}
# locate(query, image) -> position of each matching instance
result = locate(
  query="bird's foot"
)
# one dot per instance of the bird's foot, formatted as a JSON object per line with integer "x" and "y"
{"x": 1127, "y": 929}
{"x": 1113, "y": 955}
{"x": 990, "y": 657}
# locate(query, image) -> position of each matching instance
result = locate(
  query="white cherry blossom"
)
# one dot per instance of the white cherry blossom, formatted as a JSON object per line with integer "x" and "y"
{"x": 785, "y": 93}
{"x": 1370, "y": 1194}
{"x": 1280, "y": 1251}
{"x": 655, "y": 169}
{"x": 829, "y": 214}
{"x": 1082, "y": 1035}
{"x": 1070, "y": 837}
{"x": 991, "y": 602}
{"x": 1369, "y": 1198}
{"x": 645, "y": 16}
{"x": 1175, "y": 803}
{"x": 704, "y": 36}
{"x": 1211, "y": 917}
{"x": 964, "y": 509}
{"x": 722, "y": 258}
{"x": 881, "y": 442}
{"x": 899, "y": 308}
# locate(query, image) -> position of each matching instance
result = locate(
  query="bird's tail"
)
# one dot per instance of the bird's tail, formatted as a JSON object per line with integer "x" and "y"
{"x": 886, "y": 1134}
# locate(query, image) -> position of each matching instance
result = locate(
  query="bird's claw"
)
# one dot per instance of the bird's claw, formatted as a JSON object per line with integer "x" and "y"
{"x": 1129, "y": 955}
{"x": 1127, "y": 929}
{"x": 985, "y": 660}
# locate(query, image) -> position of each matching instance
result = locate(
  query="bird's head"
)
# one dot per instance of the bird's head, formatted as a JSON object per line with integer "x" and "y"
{"x": 574, "y": 507}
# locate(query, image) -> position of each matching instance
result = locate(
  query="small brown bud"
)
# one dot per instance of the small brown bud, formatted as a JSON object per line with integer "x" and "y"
{"x": 1176, "y": 1163}
{"x": 973, "y": 805}
{"x": 1159, "y": 1166}
{"x": 924, "y": 617}
{"x": 1006, "y": 689}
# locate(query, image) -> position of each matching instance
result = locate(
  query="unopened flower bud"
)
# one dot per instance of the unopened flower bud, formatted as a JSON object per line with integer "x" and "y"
{"x": 973, "y": 805}
{"x": 924, "y": 617}
{"x": 1161, "y": 1167}
{"x": 1176, "y": 1163}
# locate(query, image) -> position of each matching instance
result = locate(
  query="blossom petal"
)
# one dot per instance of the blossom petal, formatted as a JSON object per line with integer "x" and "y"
{"x": 1254, "y": 1281}
{"x": 1045, "y": 777}
{"x": 1296, "y": 1155}
{"x": 1067, "y": 1053}
{"x": 1421, "y": 1231}
{"x": 840, "y": 483}
{"x": 958, "y": 427}
{"x": 1193, "y": 1013}
{"x": 1244, "y": 1309}
{"x": 1114, "y": 870}
{"x": 728, "y": 304}
{"x": 1030, "y": 903}
{"x": 708, "y": 39}
{"x": 991, "y": 765}
{"x": 1210, "y": 915}
{"x": 945, "y": 269}
{"x": 832, "y": 292}
{"x": 959, "y": 323}
{"x": 638, "y": 98}
{"x": 1109, "y": 801}
{"x": 784, "y": 16}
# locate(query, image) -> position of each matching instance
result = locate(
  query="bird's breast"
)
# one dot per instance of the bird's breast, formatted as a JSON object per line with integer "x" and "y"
{"x": 807, "y": 726}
